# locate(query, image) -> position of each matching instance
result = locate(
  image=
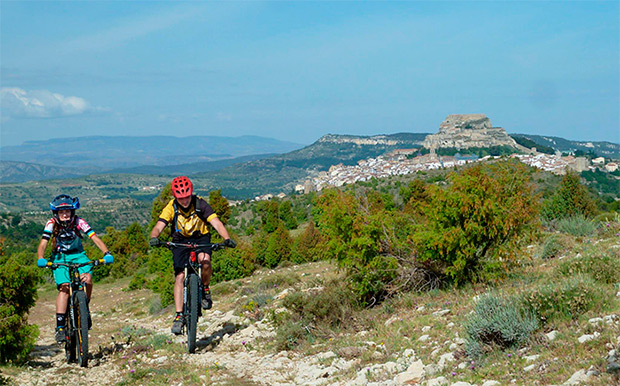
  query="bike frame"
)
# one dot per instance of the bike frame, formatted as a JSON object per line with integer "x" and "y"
{"x": 192, "y": 268}
{"x": 74, "y": 329}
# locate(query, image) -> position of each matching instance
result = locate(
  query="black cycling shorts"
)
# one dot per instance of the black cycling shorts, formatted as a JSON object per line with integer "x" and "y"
{"x": 180, "y": 255}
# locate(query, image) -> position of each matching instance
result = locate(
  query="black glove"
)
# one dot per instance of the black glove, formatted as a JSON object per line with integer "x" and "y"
{"x": 230, "y": 243}
{"x": 154, "y": 242}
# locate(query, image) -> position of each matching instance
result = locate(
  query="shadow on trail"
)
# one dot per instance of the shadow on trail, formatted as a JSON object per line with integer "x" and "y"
{"x": 212, "y": 341}
{"x": 42, "y": 356}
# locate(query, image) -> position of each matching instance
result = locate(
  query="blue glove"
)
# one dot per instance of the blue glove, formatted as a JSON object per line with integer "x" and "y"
{"x": 42, "y": 263}
{"x": 108, "y": 258}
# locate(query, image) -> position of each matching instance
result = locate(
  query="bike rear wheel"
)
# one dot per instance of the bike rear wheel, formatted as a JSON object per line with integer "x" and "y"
{"x": 81, "y": 330}
{"x": 193, "y": 303}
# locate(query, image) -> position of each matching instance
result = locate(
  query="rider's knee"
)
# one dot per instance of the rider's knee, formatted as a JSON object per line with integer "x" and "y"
{"x": 179, "y": 277}
{"x": 204, "y": 259}
{"x": 64, "y": 288}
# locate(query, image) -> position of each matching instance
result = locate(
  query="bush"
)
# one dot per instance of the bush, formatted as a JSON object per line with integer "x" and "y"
{"x": 472, "y": 227}
{"x": 231, "y": 264}
{"x": 138, "y": 281}
{"x": 361, "y": 233}
{"x": 498, "y": 322}
{"x": 570, "y": 199}
{"x": 316, "y": 314}
{"x": 576, "y": 226}
{"x": 603, "y": 268}
{"x": 566, "y": 299}
{"x": 552, "y": 247}
{"x": 18, "y": 293}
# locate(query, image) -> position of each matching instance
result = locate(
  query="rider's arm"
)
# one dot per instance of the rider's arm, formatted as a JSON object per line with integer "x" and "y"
{"x": 157, "y": 229}
{"x": 41, "y": 249}
{"x": 99, "y": 243}
{"x": 219, "y": 227}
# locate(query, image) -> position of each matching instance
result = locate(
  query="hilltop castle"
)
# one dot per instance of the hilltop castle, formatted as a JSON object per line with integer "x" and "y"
{"x": 462, "y": 131}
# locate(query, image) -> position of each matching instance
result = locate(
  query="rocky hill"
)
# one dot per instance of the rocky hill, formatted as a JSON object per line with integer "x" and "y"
{"x": 600, "y": 149}
{"x": 467, "y": 131}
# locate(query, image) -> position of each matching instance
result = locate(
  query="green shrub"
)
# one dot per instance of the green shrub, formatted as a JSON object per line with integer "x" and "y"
{"x": 366, "y": 235}
{"x": 18, "y": 293}
{"x": 567, "y": 299}
{"x": 472, "y": 226}
{"x": 315, "y": 314}
{"x": 138, "y": 281}
{"x": 231, "y": 264}
{"x": 552, "y": 247}
{"x": 576, "y": 226}
{"x": 498, "y": 322}
{"x": 570, "y": 199}
{"x": 604, "y": 268}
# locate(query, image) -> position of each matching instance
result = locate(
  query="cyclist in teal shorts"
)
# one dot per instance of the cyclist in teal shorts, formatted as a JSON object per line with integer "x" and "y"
{"x": 65, "y": 230}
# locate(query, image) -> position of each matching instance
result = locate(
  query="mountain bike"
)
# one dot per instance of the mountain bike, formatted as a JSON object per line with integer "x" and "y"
{"x": 76, "y": 320}
{"x": 192, "y": 289}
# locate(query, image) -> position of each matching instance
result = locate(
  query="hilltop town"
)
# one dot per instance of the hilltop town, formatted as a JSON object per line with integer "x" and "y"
{"x": 460, "y": 131}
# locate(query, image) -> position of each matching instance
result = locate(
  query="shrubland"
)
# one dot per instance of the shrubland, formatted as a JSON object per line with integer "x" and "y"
{"x": 400, "y": 241}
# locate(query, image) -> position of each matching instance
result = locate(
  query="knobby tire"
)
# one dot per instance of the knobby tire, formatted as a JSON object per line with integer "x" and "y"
{"x": 70, "y": 340}
{"x": 81, "y": 331}
{"x": 193, "y": 302}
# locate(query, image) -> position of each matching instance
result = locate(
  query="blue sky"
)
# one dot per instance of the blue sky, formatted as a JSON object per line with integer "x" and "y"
{"x": 297, "y": 70}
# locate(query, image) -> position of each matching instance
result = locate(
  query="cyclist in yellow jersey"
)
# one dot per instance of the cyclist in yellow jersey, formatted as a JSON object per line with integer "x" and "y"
{"x": 188, "y": 215}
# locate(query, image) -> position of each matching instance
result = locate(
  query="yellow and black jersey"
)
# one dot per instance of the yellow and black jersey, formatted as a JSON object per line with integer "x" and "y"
{"x": 191, "y": 221}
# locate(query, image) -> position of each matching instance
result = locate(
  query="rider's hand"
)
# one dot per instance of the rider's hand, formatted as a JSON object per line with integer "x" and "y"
{"x": 42, "y": 263}
{"x": 230, "y": 243}
{"x": 154, "y": 242}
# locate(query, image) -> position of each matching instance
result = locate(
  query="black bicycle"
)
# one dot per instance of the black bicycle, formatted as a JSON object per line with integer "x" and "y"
{"x": 76, "y": 320}
{"x": 192, "y": 289}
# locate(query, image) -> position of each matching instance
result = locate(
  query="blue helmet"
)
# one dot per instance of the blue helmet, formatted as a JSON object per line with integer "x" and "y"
{"x": 64, "y": 201}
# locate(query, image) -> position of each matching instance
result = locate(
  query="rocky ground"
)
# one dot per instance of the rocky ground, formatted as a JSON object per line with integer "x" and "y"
{"x": 421, "y": 344}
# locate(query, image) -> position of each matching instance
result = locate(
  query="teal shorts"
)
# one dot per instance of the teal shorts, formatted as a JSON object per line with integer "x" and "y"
{"x": 61, "y": 274}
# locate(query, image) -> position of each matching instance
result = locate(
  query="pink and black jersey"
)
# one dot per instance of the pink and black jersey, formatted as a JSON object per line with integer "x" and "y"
{"x": 69, "y": 238}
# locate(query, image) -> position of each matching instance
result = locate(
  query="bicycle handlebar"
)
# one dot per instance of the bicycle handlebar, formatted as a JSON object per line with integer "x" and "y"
{"x": 213, "y": 246}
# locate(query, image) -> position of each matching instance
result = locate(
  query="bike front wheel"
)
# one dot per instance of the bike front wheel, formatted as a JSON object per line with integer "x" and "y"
{"x": 193, "y": 302}
{"x": 70, "y": 341}
{"x": 81, "y": 328}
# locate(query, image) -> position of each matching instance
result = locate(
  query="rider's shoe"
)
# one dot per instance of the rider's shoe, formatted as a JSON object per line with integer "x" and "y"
{"x": 61, "y": 335}
{"x": 177, "y": 325}
{"x": 207, "y": 302}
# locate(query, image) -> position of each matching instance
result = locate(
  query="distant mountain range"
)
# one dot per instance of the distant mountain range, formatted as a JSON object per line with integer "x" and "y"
{"x": 238, "y": 177}
{"x": 68, "y": 157}
{"x": 242, "y": 165}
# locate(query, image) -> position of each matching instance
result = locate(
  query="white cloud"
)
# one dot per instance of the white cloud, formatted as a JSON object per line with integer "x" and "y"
{"x": 17, "y": 102}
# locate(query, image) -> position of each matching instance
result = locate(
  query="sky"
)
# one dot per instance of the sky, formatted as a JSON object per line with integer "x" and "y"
{"x": 297, "y": 70}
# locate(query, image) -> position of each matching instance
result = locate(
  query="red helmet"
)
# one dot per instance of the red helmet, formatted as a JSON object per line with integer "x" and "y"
{"x": 181, "y": 187}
